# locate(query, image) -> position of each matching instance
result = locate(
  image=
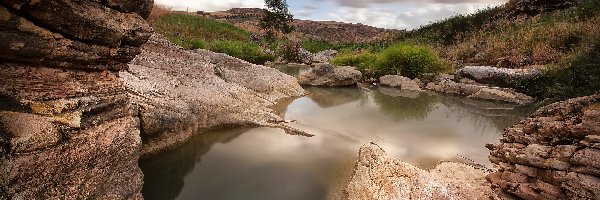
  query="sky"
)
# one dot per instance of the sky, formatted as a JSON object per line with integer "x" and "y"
{"x": 391, "y": 14}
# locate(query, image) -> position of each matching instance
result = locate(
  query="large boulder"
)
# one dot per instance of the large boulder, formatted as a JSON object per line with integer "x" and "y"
{"x": 66, "y": 128}
{"x": 180, "y": 92}
{"x": 503, "y": 77}
{"x": 401, "y": 82}
{"x": 329, "y": 75}
{"x": 554, "y": 154}
{"x": 379, "y": 176}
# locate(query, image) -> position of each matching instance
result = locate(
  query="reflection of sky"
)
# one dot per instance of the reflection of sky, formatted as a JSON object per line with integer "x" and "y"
{"x": 397, "y": 14}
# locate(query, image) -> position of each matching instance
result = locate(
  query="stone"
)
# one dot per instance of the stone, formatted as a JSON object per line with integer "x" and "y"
{"x": 330, "y": 76}
{"x": 379, "y": 176}
{"x": 502, "y": 77}
{"x": 403, "y": 83}
{"x": 478, "y": 91}
{"x": 179, "y": 93}
{"x": 29, "y": 132}
{"x": 499, "y": 95}
{"x": 551, "y": 149}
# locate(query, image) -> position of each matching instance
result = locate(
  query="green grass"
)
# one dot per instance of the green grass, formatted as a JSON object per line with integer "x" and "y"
{"x": 196, "y": 32}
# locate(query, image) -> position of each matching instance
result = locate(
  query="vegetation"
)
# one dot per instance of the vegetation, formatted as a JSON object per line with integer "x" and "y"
{"x": 276, "y": 19}
{"x": 404, "y": 59}
{"x": 196, "y": 32}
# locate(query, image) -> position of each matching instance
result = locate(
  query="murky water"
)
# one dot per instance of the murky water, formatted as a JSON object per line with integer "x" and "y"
{"x": 263, "y": 163}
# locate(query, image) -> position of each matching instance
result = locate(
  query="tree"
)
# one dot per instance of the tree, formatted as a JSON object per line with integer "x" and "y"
{"x": 276, "y": 19}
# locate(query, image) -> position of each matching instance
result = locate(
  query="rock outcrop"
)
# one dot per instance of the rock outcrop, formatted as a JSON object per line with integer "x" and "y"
{"x": 66, "y": 128}
{"x": 502, "y": 77}
{"x": 478, "y": 91}
{"x": 381, "y": 177}
{"x": 554, "y": 154}
{"x": 330, "y": 76}
{"x": 180, "y": 92}
{"x": 401, "y": 82}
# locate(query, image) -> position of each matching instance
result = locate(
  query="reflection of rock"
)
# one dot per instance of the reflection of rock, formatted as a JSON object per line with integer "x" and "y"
{"x": 553, "y": 154}
{"x": 394, "y": 92}
{"x": 66, "y": 130}
{"x": 172, "y": 166}
{"x": 331, "y": 97}
{"x": 480, "y": 92}
{"x": 379, "y": 176}
{"x": 179, "y": 92}
{"x": 329, "y": 75}
{"x": 401, "y": 107}
{"x": 403, "y": 83}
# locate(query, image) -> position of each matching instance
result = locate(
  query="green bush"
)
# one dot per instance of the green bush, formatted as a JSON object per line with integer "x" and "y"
{"x": 363, "y": 61}
{"x": 247, "y": 51}
{"x": 410, "y": 61}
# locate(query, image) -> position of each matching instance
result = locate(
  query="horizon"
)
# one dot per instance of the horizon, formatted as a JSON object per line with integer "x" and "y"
{"x": 388, "y": 14}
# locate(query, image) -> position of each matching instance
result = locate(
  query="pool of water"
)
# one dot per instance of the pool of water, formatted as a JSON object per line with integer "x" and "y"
{"x": 264, "y": 163}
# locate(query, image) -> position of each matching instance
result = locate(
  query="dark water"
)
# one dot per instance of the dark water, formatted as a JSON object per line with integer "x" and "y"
{"x": 264, "y": 163}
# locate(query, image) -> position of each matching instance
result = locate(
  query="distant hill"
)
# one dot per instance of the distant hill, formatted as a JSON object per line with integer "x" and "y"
{"x": 249, "y": 18}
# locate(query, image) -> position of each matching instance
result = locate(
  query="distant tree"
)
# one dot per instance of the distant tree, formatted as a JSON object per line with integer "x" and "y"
{"x": 276, "y": 19}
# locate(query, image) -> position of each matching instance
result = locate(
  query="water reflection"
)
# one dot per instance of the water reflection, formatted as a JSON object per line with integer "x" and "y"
{"x": 263, "y": 163}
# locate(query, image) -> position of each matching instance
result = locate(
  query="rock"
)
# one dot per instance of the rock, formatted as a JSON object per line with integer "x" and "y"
{"x": 66, "y": 128}
{"x": 497, "y": 76}
{"x": 323, "y": 56}
{"x": 179, "y": 92}
{"x": 329, "y": 75}
{"x": 548, "y": 156}
{"x": 499, "y": 95}
{"x": 477, "y": 91}
{"x": 379, "y": 176}
{"x": 403, "y": 83}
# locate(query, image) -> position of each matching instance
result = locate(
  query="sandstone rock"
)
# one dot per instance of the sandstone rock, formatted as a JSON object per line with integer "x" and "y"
{"x": 329, "y": 75}
{"x": 379, "y": 176}
{"x": 481, "y": 92}
{"x": 180, "y": 92}
{"x": 66, "y": 128}
{"x": 548, "y": 156}
{"x": 403, "y": 83}
{"x": 497, "y": 76}
{"x": 499, "y": 95}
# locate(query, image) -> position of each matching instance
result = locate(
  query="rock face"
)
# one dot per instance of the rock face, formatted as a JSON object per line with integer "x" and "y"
{"x": 478, "y": 91}
{"x": 497, "y": 76}
{"x": 381, "y": 177}
{"x": 554, "y": 154}
{"x": 66, "y": 130}
{"x": 403, "y": 83}
{"x": 180, "y": 92}
{"x": 330, "y": 76}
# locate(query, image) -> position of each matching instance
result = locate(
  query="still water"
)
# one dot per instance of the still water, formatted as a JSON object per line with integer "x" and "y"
{"x": 263, "y": 163}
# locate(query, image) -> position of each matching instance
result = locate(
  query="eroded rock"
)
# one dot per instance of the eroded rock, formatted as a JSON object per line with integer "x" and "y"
{"x": 330, "y": 76}
{"x": 502, "y": 77}
{"x": 478, "y": 91}
{"x": 551, "y": 155}
{"x": 379, "y": 176}
{"x": 403, "y": 83}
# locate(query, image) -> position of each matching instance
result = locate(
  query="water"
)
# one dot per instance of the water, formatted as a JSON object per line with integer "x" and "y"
{"x": 263, "y": 163}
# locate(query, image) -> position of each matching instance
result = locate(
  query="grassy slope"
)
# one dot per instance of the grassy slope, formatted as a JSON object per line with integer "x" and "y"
{"x": 194, "y": 32}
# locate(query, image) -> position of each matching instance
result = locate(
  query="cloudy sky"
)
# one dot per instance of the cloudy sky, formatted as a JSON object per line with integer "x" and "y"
{"x": 395, "y": 14}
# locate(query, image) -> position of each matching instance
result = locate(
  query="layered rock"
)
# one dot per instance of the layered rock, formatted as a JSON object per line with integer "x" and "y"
{"x": 554, "y": 154}
{"x": 503, "y": 77}
{"x": 66, "y": 130}
{"x": 478, "y": 91}
{"x": 401, "y": 82}
{"x": 330, "y": 76}
{"x": 382, "y": 177}
{"x": 180, "y": 92}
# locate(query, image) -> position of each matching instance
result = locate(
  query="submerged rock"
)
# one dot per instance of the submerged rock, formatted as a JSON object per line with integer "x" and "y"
{"x": 478, "y": 91}
{"x": 382, "y": 177}
{"x": 403, "y": 83}
{"x": 180, "y": 92}
{"x": 554, "y": 154}
{"x": 329, "y": 75}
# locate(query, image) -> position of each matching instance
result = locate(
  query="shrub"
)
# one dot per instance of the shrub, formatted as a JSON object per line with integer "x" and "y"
{"x": 290, "y": 51}
{"x": 315, "y": 46}
{"x": 247, "y": 51}
{"x": 363, "y": 60}
{"x": 410, "y": 60}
